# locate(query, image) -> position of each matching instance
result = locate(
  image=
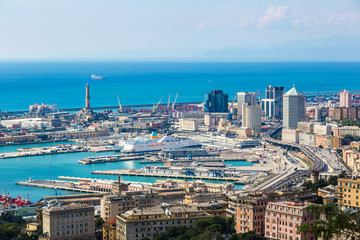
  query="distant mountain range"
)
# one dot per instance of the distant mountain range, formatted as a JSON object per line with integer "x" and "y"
{"x": 333, "y": 48}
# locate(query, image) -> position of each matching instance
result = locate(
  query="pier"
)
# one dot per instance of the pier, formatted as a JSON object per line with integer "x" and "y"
{"x": 56, "y": 184}
{"x": 40, "y": 151}
{"x": 107, "y": 159}
{"x": 160, "y": 175}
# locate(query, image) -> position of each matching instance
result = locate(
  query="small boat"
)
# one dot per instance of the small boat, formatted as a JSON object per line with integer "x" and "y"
{"x": 97, "y": 77}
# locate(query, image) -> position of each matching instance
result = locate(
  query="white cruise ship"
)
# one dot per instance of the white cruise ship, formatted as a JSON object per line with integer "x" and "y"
{"x": 157, "y": 144}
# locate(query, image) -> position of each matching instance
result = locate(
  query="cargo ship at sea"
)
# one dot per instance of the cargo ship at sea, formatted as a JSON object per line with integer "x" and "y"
{"x": 94, "y": 76}
{"x": 155, "y": 143}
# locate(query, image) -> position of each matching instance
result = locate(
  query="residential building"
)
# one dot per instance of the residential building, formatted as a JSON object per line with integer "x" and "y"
{"x": 244, "y": 132}
{"x": 250, "y": 213}
{"x": 347, "y": 130}
{"x": 31, "y": 228}
{"x": 112, "y": 205}
{"x": 213, "y": 119}
{"x": 245, "y": 97}
{"x": 306, "y": 127}
{"x": 251, "y": 117}
{"x": 109, "y": 229}
{"x": 216, "y": 102}
{"x": 73, "y": 221}
{"x": 320, "y": 129}
{"x": 345, "y": 99}
{"x": 294, "y": 108}
{"x": 283, "y": 218}
{"x": 307, "y": 138}
{"x": 351, "y": 157}
{"x": 139, "y": 223}
{"x": 349, "y": 192}
{"x": 290, "y": 135}
{"x": 189, "y": 124}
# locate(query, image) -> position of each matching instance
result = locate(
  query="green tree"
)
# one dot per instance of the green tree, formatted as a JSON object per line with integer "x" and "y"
{"x": 251, "y": 235}
{"x": 332, "y": 223}
{"x": 209, "y": 235}
{"x": 201, "y": 225}
{"x": 99, "y": 222}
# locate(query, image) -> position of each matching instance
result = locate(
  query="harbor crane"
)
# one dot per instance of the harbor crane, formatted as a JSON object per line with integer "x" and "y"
{"x": 120, "y": 106}
{"x": 258, "y": 96}
{"x": 155, "y": 107}
{"x": 173, "y": 105}
{"x": 168, "y": 105}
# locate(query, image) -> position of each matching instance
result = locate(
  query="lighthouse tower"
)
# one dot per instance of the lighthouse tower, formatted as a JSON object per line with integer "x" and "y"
{"x": 87, "y": 97}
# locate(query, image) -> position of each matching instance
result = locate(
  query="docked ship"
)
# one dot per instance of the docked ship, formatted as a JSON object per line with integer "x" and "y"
{"x": 155, "y": 143}
{"x": 97, "y": 77}
{"x": 8, "y": 201}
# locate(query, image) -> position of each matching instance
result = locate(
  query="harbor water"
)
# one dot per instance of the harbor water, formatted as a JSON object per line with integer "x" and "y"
{"x": 51, "y": 166}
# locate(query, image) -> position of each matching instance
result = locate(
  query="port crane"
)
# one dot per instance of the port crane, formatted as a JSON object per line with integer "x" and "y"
{"x": 173, "y": 105}
{"x": 120, "y": 106}
{"x": 168, "y": 105}
{"x": 155, "y": 106}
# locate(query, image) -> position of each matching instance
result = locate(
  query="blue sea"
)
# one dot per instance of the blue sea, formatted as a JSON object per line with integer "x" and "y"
{"x": 137, "y": 82}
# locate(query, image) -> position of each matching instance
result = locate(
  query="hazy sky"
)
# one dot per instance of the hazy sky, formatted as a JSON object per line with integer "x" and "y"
{"x": 62, "y": 28}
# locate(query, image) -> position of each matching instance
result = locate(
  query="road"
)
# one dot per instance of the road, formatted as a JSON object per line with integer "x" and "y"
{"x": 289, "y": 173}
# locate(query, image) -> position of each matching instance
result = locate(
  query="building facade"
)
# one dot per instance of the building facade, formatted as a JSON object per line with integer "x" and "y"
{"x": 349, "y": 192}
{"x": 140, "y": 223}
{"x": 73, "y": 221}
{"x": 112, "y": 205}
{"x": 251, "y": 117}
{"x": 245, "y": 97}
{"x": 216, "y": 102}
{"x": 250, "y": 214}
{"x": 283, "y": 218}
{"x": 345, "y": 99}
{"x": 276, "y": 94}
{"x": 109, "y": 229}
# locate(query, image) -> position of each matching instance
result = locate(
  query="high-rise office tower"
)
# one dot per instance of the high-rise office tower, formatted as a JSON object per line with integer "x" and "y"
{"x": 216, "y": 102}
{"x": 251, "y": 117}
{"x": 345, "y": 99}
{"x": 245, "y": 97}
{"x": 294, "y": 108}
{"x": 272, "y": 105}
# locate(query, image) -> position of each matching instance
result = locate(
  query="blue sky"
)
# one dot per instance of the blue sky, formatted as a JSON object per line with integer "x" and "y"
{"x": 77, "y": 28}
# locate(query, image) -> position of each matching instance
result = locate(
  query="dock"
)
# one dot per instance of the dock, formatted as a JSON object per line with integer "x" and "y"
{"x": 40, "y": 151}
{"x": 55, "y": 184}
{"x": 107, "y": 159}
{"x": 160, "y": 175}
